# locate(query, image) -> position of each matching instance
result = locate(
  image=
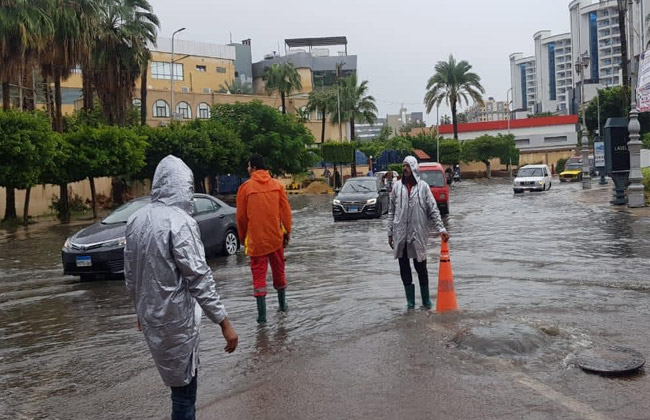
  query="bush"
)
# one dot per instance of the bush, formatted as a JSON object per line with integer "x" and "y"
{"x": 646, "y": 178}
{"x": 560, "y": 164}
{"x": 75, "y": 204}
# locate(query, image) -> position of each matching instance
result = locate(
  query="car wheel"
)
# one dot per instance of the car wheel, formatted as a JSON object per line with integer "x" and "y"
{"x": 380, "y": 211}
{"x": 580, "y": 178}
{"x": 230, "y": 243}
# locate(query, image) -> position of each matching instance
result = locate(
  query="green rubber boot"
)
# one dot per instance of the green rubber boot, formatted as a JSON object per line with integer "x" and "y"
{"x": 282, "y": 300}
{"x": 410, "y": 296}
{"x": 426, "y": 298}
{"x": 261, "y": 309}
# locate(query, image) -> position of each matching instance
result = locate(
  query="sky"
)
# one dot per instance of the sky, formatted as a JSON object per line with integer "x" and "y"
{"x": 397, "y": 43}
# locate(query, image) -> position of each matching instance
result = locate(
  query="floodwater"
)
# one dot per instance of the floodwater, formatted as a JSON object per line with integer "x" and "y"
{"x": 539, "y": 277}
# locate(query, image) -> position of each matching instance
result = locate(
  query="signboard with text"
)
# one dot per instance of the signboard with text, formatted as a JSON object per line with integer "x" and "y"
{"x": 599, "y": 154}
{"x": 643, "y": 85}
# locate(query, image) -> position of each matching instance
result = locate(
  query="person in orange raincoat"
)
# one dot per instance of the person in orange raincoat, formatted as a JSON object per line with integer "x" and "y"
{"x": 264, "y": 225}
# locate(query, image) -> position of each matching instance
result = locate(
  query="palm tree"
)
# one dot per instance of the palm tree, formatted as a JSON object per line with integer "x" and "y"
{"x": 236, "y": 87}
{"x": 282, "y": 78}
{"x": 323, "y": 101}
{"x": 120, "y": 53}
{"x": 356, "y": 105}
{"x": 452, "y": 83}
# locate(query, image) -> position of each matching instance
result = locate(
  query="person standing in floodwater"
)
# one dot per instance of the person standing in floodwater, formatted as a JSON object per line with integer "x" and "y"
{"x": 171, "y": 284}
{"x": 264, "y": 225}
{"x": 411, "y": 208}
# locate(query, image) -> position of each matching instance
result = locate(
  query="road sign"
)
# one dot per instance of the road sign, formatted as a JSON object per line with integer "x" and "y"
{"x": 599, "y": 154}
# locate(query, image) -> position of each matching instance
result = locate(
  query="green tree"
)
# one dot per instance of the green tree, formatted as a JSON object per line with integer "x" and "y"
{"x": 453, "y": 83}
{"x": 446, "y": 119}
{"x": 282, "y": 78}
{"x": 281, "y": 138}
{"x": 450, "y": 151}
{"x": 356, "y": 104}
{"x": 236, "y": 87}
{"x": 107, "y": 151}
{"x": 324, "y": 102}
{"x": 27, "y": 148}
{"x": 613, "y": 102}
{"x": 485, "y": 148}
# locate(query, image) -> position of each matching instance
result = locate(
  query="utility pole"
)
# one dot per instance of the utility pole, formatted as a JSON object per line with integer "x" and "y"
{"x": 171, "y": 64}
{"x": 338, "y": 98}
{"x": 635, "y": 191}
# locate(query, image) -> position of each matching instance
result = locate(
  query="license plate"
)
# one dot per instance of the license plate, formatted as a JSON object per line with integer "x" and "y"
{"x": 84, "y": 262}
{"x": 353, "y": 209}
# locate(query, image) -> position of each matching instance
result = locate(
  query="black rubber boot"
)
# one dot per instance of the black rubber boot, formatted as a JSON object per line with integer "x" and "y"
{"x": 261, "y": 309}
{"x": 410, "y": 296}
{"x": 426, "y": 298}
{"x": 282, "y": 300}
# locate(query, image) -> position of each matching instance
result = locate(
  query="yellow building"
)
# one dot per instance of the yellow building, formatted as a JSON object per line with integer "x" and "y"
{"x": 201, "y": 74}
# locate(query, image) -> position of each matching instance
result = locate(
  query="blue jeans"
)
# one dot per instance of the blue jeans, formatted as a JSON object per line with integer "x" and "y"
{"x": 184, "y": 400}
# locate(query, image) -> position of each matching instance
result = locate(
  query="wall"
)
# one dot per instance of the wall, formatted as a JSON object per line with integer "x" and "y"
{"x": 41, "y": 195}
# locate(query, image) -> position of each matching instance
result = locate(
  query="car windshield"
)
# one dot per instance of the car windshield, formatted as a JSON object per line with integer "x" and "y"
{"x": 360, "y": 186}
{"x": 433, "y": 178}
{"x": 122, "y": 213}
{"x": 573, "y": 166}
{"x": 527, "y": 172}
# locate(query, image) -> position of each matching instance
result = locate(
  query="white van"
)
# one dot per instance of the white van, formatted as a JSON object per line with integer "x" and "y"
{"x": 532, "y": 178}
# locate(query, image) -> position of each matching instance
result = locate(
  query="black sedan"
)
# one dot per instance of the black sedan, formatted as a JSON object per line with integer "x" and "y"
{"x": 362, "y": 197}
{"x": 98, "y": 250}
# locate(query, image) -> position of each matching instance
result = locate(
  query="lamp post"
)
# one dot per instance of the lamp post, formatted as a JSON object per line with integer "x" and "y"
{"x": 508, "y": 116}
{"x": 581, "y": 65}
{"x": 171, "y": 65}
{"x": 635, "y": 190}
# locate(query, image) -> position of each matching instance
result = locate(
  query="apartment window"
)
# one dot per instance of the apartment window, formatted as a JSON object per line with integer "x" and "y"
{"x": 201, "y": 69}
{"x": 160, "y": 109}
{"x": 522, "y": 70}
{"x": 204, "y": 111}
{"x": 319, "y": 115}
{"x": 184, "y": 109}
{"x": 162, "y": 71}
{"x": 221, "y": 69}
{"x": 500, "y": 106}
{"x": 551, "y": 70}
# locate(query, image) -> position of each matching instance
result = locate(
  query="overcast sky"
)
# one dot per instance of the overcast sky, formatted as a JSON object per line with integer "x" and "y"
{"x": 397, "y": 42}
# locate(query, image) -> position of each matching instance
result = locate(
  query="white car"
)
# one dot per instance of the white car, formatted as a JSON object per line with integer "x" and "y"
{"x": 532, "y": 178}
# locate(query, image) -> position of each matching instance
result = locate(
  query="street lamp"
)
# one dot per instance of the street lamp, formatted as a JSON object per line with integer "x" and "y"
{"x": 581, "y": 65}
{"x": 171, "y": 106}
{"x": 508, "y": 116}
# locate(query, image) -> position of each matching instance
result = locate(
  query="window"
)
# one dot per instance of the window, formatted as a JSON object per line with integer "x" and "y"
{"x": 76, "y": 69}
{"x": 184, "y": 109}
{"x": 162, "y": 71}
{"x": 557, "y": 139}
{"x": 201, "y": 68}
{"x": 551, "y": 70}
{"x": 203, "y": 111}
{"x": 160, "y": 109}
{"x": 203, "y": 205}
{"x": 221, "y": 69}
{"x": 522, "y": 142}
{"x": 593, "y": 42}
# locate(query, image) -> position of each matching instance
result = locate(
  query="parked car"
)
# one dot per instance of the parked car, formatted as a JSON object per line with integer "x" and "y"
{"x": 532, "y": 178}
{"x": 362, "y": 197}
{"x": 99, "y": 249}
{"x": 434, "y": 175}
{"x": 572, "y": 172}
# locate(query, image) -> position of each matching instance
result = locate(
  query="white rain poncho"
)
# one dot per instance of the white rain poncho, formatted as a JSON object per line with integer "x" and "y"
{"x": 409, "y": 216}
{"x": 167, "y": 275}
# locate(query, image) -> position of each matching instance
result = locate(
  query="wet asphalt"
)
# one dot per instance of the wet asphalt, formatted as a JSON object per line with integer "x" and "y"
{"x": 539, "y": 279}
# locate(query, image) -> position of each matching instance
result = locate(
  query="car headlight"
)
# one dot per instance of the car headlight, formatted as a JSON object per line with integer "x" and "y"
{"x": 336, "y": 202}
{"x": 443, "y": 196}
{"x": 67, "y": 243}
{"x": 540, "y": 182}
{"x": 115, "y": 242}
{"x": 372, "y": 201}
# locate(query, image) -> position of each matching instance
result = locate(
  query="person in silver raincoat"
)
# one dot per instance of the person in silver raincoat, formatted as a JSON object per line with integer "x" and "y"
{"x": 412, "y": 208}
{"x": 170, "y": 282}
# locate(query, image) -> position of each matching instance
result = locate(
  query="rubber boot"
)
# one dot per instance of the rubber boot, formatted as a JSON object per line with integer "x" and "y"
{"x": 426, "y": 299}
{"x": 261, "y": 309}
{"x": 282, "y": 300}
{"x": 410, "y": 296}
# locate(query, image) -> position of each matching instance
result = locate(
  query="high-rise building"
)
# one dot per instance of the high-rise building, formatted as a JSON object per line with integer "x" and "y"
{"x": 554, "y": 69}
{"x": 367, "y": 132}
{"x": 523, "y": 77}
{"x": 490, "y": 110}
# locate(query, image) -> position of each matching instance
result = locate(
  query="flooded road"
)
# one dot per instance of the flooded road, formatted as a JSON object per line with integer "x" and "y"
{"x": 539, "y": 278}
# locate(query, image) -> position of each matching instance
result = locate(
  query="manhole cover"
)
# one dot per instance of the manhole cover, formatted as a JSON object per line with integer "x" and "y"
{"x": 611, "y": 360}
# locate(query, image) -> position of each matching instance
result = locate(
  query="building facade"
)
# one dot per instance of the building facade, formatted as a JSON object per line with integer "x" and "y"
{"x": 490, "y": 110}
{"x": 554, "y": 69}
{"x": 523, "y": 76}
{"x": 367, "y": 132}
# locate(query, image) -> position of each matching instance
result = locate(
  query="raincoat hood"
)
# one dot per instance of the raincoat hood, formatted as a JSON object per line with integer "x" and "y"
{"x": 261, "y": 175}
{"x": 173, "y": 184}
{"x": 413, "y": 163}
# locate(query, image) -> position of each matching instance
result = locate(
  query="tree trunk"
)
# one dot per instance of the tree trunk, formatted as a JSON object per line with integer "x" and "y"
{"x": 28, "y": 192}
{"x": 64, "y": 211}
{"x": 322, "y": 134}
{"x": 454, "y": 119}
{"x": 6, "y": 99}
{"x": 143, "y": 95}
{"x": 284, "y": 108}
{"x": 488, "y": 168}
{"x": 48, "y": 100}
{"x": 93, "y": 195}
{"x": 199, "y": 185}
{"x": 118, "y": 191}
{"x": 10, "y": 209}
{"x": 89, "y": 100}
{"x": 58, "y": 118}
{"x": 624, "y": 57}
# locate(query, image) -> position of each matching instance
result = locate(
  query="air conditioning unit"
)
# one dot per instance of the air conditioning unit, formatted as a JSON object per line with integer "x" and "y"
{"x": 207, "y": 90}
{"x": 185, "y": 89}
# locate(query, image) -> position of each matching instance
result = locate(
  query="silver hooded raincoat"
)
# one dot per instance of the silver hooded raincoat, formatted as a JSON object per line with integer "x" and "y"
{"x": 167, "y": 275}
{"x": 409, "y": 216}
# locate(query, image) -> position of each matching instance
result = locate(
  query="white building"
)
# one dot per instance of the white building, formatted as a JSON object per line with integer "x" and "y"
{"x": 524, "y": 82}
{"x": 490, "y": 110}
{"x": 554, "y": 71}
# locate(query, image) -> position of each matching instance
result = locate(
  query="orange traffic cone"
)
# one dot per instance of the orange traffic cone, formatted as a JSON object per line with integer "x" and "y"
{"x": 446, "y": 300}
